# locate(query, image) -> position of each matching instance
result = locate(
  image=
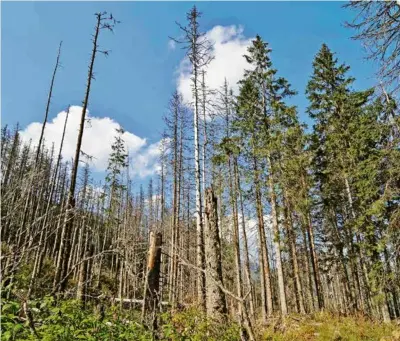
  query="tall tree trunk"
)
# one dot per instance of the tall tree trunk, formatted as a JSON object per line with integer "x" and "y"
{"x": 313, "y": 252}
{"x": 12, "y": 157}
{"x": 314, "y": 263}
{"x": 83, "y": 267}
{"x": 60, "y": 281}
{"x": 348, "y": 285}
{"x": 197, "y": 49}
{"x": 205, "y": 140}
{"x": 245, "y": 241}
{"x": 174, "y": 232}
{"x": 46, "y": 114}
{"x": 364, "y": 292}
{"x": 199, "y": 221}
{"x": 236, "y": 237}
{"x": 277, "y": 243}
{"x": 293, "y": 253}
{"x": 42, "y": 239}
{"x": 266, "y": 289}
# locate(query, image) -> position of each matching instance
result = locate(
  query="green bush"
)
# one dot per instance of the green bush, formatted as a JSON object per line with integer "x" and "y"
{"x": 67, "y": 321}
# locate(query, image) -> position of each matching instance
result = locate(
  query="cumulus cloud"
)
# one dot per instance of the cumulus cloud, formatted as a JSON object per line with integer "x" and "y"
{"x": 229, "y": 46}
{"x": 97, "y": 140}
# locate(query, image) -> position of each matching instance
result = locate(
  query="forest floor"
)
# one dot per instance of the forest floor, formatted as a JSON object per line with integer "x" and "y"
{"x": 327, "y": 327}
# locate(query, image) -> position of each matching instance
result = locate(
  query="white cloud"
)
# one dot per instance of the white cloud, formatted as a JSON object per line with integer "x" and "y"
{"x": 145, "y": 162}
{"x": 171, "y": 44}
{"x": 97, "y": 140}
{"x": 229, "y": 46}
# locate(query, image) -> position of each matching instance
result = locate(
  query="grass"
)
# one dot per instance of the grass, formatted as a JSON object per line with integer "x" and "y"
{"x": 329, "y": 327}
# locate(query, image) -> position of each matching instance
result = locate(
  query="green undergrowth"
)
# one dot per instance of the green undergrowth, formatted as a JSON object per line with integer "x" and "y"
{"x": 330, "y": 327}
{"x": 67, "y": 320}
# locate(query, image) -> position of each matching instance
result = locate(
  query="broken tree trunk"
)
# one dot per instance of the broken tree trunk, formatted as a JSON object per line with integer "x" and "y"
{"x": 216, "y": 302}
{"x": 152, "y": 283}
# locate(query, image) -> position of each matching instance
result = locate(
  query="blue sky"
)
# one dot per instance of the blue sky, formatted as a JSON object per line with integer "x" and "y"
{"x": 133, "y": 85}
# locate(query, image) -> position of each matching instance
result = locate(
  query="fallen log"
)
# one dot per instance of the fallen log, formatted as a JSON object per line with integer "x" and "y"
{"x": 129, "y": 302}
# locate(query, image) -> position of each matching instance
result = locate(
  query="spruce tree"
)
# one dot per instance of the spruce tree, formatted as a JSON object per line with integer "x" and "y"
{"x": 340, "y": 138}
{"x": 265, "y": 93}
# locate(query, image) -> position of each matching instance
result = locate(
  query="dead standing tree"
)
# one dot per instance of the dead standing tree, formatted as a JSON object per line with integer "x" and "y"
{"x": 46, "y": 114}
{"x": 151, "y": 292}
{"x": 216, "y": 302}
{"x": 107, "y": 22}
{"x": 199, "y": 55}
{"x": 43, "y": 234}
{"x": 378, "y": 27}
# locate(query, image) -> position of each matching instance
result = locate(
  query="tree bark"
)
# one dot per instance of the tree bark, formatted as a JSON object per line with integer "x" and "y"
{"x": 216, "y": 302}
{"x": 277, "y": 243}
{"x": 313, "y": 252}
{"x": 245, "y": 241}
{"x": 294, "y": 261}
{"x": 266, "y": 289}
{"x": 151, "y": 291}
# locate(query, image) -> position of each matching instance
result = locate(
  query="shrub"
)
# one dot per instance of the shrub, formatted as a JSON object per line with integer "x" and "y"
{"x": 68, "y": 321}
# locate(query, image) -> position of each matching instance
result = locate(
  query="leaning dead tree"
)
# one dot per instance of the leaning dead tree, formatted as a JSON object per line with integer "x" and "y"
{"x": 107, "y": 22}
{"x": 46, "y": 114}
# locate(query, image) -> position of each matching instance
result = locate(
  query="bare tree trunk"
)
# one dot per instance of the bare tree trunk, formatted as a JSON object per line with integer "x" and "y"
{"x": 293, "y": 253}
{"x": 205, "y": 140}
{"x": 42, "y": 239}
{"x": 198, "y": 52}
{"x": 46, "y": 114}
{"x": 65, "y": 245}
{"x": 83, "y": 267}
{"x": 313, "y": 252}
{"x": 392, "y": 285}
{"x": 276, "y": 241}
{"x": 364, "y": 292}
{"x": 199, "y": 221}
{"x": 151, "y": 291}
{"x": 175, "y": 106}
{"x": 11, "y": 159}
{"x": 236, "y": 240}
{"x": 314, "y": 263}
{"x": 245, "y": 241}
{"x": 348, "y": 286}
{"x": 266, "y": 289}
{"x": 164, "y": 263}
{"x": 216, "y": 302}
